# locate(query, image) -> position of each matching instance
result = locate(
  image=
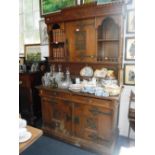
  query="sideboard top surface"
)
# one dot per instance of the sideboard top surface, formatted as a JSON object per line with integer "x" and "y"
{"x": 48, "y": 88}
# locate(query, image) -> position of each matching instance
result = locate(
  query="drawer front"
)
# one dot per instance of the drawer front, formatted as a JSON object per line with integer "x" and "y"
{"x": 79, "y": 99}
{"x": 92, "y": 101}
{"x": 56, "y": 94}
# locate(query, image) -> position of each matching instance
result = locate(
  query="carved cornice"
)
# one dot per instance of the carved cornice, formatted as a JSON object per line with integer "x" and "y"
{"x": 84, "y": 12}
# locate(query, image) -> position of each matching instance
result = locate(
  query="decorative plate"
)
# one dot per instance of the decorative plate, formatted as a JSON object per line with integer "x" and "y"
{"x": 86, "y": 71}
{"x": 100, "y": 73}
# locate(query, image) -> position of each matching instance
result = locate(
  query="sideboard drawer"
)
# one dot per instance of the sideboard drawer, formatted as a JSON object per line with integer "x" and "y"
{"x": 92, "y": 101}
{"x": 56, "y": 94}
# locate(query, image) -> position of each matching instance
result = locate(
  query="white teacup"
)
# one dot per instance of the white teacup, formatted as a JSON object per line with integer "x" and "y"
{"x": 22, "y": 132}
{"x": 77, "y": 80}
{"x": 22, "y": 123}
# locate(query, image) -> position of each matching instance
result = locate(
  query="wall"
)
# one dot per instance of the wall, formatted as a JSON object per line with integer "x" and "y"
{"x": 124, "y": 105}
{"x": 123, "y": 113}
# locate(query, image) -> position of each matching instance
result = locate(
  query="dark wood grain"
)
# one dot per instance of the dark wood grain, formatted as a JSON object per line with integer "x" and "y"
{"x": 84, "y": 120}
{"x": 92, "y": 23}
{"x": 29, "y": 100}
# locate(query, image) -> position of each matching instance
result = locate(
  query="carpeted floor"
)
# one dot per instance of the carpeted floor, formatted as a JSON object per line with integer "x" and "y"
{"x": 49, "y": 146}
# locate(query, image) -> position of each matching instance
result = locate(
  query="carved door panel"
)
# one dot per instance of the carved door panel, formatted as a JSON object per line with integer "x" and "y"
{"x": 46, "y": 112}
{"x": 61, "y": 116}
{"x": 92, "y": 123}
{"x": 98, "y": 119}
{"x": 81, "y": 38}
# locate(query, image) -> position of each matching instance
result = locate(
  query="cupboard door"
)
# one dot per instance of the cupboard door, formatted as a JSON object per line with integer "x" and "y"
{"x": 46, "y": 112}
{"x": 93, "y": 123}
{"x": 81, "y": 40}
{"x": 61, "y": 116}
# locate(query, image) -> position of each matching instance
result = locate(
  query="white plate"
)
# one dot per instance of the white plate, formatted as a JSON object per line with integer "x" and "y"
{"x": 86, "y": 71}
{"x": 76, "y": 86}
{"x": 75, "y": 89}
{"x": 27, "y": 136}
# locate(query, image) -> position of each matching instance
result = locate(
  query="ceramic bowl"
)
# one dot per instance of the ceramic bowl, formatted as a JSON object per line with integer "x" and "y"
{"x": 22, "y": 132}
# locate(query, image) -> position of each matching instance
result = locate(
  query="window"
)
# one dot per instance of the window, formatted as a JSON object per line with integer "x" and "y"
{"x": 29, "y": 17}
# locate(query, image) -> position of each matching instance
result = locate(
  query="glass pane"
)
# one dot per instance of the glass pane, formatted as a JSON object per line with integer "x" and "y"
{"x": 27, "y": 6}
{"x": 21, "y": 43}
{"x": 36, "y": 5}
{"x": 21, "y": 23}
{"x": 28, "y": 22}
{"x": 36, "y": 20}
{"x": 20, "y": 6}
{"x": 36, "y": 36}
{"x": 28, "y": 37}
{"x": 45, "y": 51}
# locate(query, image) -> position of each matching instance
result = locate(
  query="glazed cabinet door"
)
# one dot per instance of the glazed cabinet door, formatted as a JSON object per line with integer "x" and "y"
{"x": 93, "y": 123}
{"x": 81, "y": 37}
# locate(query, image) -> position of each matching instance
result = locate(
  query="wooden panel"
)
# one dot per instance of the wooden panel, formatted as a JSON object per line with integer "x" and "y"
{"x": 92, "y": 101}
{"x": 84, "y": 12}
{"x": 46, "y": 112}
{"x": 50, "y": 93}
{"x": 27, "y": 80}
{"x": 91, "y": 121}
{"x": 61, "y": 117}
{"x": 29, "y": 100}
{"x": 57, "y": 114}
{"x": 81, "y": 40}
{"x": 87, "y": 121}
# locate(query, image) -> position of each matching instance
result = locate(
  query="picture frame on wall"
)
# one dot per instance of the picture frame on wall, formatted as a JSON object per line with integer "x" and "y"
{"x": 130, "y": 49}
{"x": 129, "y": 74}
{"x": 53, "y": 6}
{"x": 43, "y": 32}
{"x": 32, "y": 52}
{"x": 130, "y": 26}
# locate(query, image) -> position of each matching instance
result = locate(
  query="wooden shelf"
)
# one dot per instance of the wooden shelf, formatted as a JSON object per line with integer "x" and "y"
{"x": 108, "y": 40}
{"x": 89, "y": 63}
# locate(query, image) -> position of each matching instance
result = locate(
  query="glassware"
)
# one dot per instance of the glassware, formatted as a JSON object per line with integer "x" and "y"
{"x": 54, "y": 84}
{"x": 68, "y": 79}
